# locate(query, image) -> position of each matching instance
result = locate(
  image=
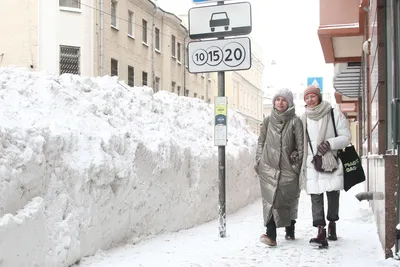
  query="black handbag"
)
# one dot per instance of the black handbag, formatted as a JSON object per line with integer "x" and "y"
{"x": 353, "y": 171}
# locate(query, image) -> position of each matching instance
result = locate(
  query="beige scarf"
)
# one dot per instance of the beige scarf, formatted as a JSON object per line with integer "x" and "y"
{"x": 320, "y": 112}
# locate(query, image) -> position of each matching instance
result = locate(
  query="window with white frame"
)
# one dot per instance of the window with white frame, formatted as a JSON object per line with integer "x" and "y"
{"x": 131, "y": 76}
{"x": 114, "y": 14}
{"x": 144, "y": 31}
{"x": 158, "y": 43}
{"x": 131, "y": 24}
{"x": 70, "y": 59}
{"x": 173, "y": 48}
{"x": 178, "y": 52}
{"x": 70, "y": 3}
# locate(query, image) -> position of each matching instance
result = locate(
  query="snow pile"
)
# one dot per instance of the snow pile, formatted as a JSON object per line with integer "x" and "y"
{"x": 87, "y": 163}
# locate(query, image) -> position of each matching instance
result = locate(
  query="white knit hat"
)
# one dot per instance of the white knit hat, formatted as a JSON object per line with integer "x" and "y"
{"x": 286, "y": 93}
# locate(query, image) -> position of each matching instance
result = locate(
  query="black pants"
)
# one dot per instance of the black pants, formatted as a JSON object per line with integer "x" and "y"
{"x": 317, "y": 206}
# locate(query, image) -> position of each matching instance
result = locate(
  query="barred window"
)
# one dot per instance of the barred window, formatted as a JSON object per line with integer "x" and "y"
{"x": 178, "y": 53}
{"x": 173, "y": 44}
{"x": 114, "y": 67}
{"x": 173, "y": 84}
{"x": 131, "y": 76}
{"x": 131, "y": 24}
{"x": 70, "y": 59}
{"x": 144, "y": 31}
{"x": 157, "y": 84}
{"x": 114, "y": 14}
{"x": 158, "y": 46}
{"x": 70, "y": 3}
{"x": 144, "y": 78}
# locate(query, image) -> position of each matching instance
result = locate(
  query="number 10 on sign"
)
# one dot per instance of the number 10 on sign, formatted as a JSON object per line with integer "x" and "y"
{"x": 219, "y": 55}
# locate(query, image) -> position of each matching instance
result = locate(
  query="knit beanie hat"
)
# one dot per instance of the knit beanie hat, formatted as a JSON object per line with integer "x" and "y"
{"x": 286, "y": 93}
{"x": 312, "y": 89}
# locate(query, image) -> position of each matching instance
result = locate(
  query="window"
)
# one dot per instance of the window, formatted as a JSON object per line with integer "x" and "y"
{"x": 131, "y": 76}
{"x": 144, "y": 78}
{"x": 179, "y": 90}
{"x": 173, "y": 84}
{"x": 178, "y": 56}
{"x": 186, "y": 92}
{"x": 157, "y": 84}
{"x": 131, "y": 24}
{"x": 195, "y": 95}
{"x": 173, "y": 49}
{"x": 157, "y": 46}
{"x": 114, "y": 14}
{"x": 70, "y": 3}
{"x": 114, "y": 67}
{"x": 202, "y": 97}
{"x": 70, "y": 59}
{"x": 186, "y": 57}
{"x": 144, "y": 31}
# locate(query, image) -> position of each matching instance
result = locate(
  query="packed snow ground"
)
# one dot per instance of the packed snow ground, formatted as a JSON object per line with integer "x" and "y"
{"x": 89, "y": 163}
{"x": 358, "y": 244}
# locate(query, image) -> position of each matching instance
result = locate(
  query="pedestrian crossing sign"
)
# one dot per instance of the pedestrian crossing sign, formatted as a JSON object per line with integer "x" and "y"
{"x": 316, "y": 81}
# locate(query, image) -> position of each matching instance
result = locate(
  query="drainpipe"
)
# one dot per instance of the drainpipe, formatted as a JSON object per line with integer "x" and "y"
{"x": 185, "y": 63}
{"x": 396, "y": 112}
{"x": 101, "y": 39}
{"x": 153, "y": 51}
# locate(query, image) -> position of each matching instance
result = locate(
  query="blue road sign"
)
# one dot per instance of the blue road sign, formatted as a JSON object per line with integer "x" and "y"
{"x": 317, "y": 81}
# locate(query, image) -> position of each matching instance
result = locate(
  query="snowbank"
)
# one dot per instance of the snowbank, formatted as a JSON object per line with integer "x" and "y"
{"x": 88, "y": 163}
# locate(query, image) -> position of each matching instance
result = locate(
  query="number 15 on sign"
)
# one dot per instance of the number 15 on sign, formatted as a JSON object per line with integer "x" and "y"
{"x": 219, "y": 55}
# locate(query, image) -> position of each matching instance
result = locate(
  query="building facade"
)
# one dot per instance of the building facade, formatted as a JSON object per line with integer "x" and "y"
{"x": 244, "y": 90}
{"x": 132, "y": 39}
{"x": 361, "y": 37}
{"x": 135, "y": 40}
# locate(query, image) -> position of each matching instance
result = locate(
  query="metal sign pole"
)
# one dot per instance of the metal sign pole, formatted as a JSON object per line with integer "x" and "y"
{"x": 221, "y": 162}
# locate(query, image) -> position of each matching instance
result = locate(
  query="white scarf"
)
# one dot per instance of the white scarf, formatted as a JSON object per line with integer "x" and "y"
{"x": 320, "y": 112}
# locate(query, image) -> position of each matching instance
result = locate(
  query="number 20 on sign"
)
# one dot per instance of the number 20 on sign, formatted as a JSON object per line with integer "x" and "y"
{"x": 219, "y": 55}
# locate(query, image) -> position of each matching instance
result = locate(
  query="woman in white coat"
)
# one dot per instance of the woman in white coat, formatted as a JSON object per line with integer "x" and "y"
{"x": 320, "y": 138}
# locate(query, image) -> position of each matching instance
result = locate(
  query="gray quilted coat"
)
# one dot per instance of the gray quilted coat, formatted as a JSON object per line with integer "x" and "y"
{"x": 279, "y": 157}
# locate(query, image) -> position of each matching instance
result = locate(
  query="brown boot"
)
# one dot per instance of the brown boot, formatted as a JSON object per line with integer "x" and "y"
{"x": 332, "y": 231}
{"x": 320, "y": 241}
{"x": 268, "y": 241}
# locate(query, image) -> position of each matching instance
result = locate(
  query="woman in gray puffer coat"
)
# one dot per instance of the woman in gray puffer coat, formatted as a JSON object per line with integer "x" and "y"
{"x": 278, "y": 162}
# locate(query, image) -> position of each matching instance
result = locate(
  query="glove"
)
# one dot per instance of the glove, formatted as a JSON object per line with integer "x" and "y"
{"x": 324, "y": 147}
{"x": 294, "y": 157}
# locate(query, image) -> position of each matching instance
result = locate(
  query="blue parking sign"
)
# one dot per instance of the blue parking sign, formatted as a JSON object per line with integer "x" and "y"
{"x": 316, "y": 81}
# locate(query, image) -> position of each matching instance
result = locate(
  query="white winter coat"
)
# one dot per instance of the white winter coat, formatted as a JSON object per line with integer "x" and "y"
{"x": 318, "y": 182}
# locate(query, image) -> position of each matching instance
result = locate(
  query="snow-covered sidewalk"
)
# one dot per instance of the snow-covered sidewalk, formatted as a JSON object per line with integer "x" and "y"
{"x": 358, "y": 243}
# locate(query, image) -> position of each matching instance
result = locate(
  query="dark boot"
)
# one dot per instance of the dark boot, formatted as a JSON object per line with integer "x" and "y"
{"x": 332, "y": 231}
{"x": 320, "y": 241}
{"x": 290, "y": 231}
